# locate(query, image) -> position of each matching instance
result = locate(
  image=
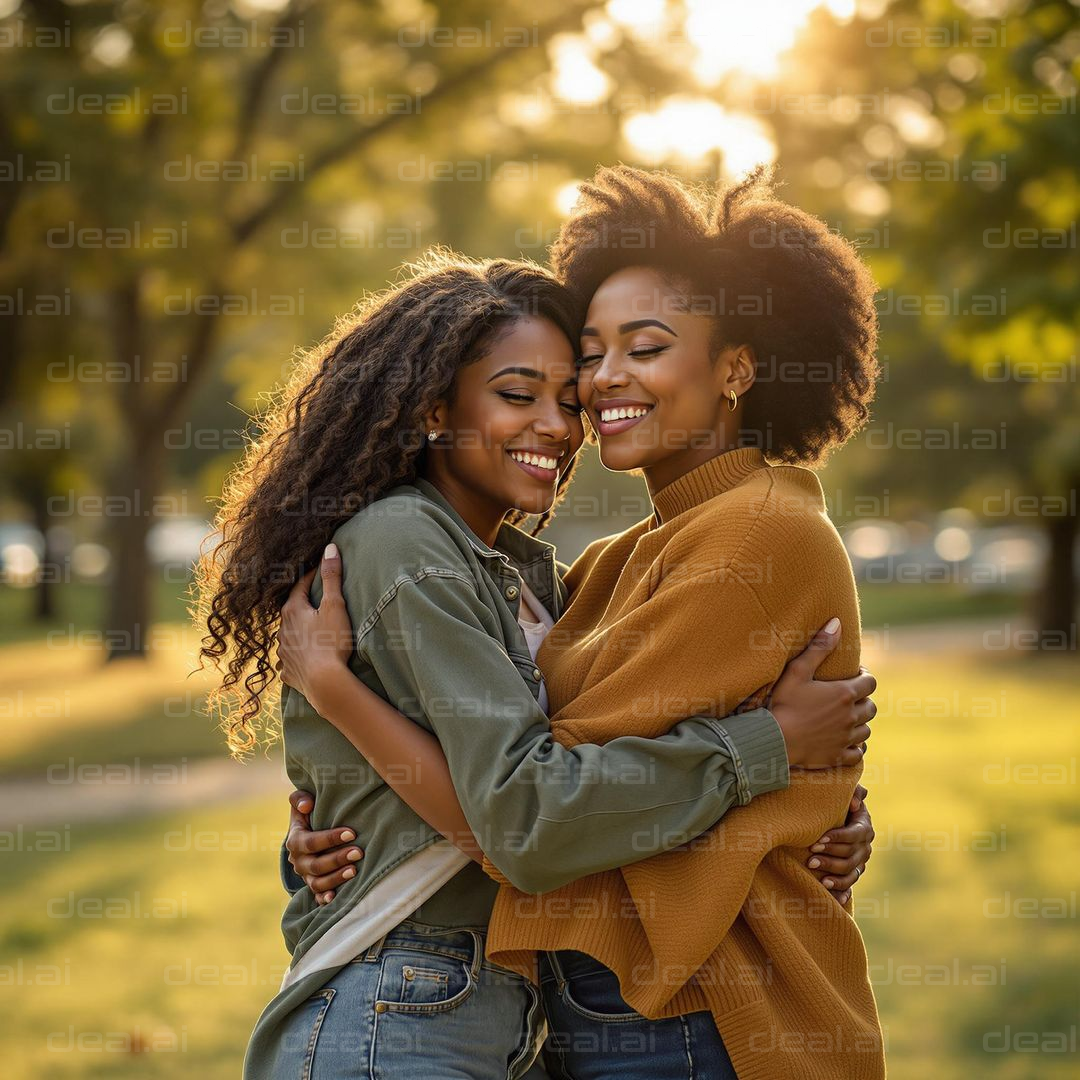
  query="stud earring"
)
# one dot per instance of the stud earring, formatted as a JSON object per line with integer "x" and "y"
{"x": 432, "y": 436}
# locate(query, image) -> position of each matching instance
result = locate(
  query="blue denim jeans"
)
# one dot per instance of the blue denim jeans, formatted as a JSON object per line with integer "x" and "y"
{"x": 423, "y": 1002}
{"x": 595, "y": 1035}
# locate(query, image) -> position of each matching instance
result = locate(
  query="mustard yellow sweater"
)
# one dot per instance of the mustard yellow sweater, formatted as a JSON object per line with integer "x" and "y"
{"x": 696, "y": 612}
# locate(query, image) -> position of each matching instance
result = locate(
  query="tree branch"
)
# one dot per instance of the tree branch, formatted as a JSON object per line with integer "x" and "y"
{"x": 245, "y": 227}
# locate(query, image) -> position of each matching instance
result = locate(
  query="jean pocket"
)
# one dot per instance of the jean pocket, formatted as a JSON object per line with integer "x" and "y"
{"x": 423, "y": 982}
{"x": 300, "y": 1034}
{"x": 596, "y": 996}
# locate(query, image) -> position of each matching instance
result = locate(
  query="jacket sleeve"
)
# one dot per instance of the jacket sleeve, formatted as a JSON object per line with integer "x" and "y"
{"x": 546, "y": 814}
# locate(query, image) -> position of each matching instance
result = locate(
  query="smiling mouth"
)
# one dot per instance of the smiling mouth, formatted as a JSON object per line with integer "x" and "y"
{"x": 539, "y": 466}
{"x": 612, "y": 421}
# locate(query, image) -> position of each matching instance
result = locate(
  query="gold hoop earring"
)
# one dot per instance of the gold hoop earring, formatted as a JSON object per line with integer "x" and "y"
{"x": 732, "y": 401}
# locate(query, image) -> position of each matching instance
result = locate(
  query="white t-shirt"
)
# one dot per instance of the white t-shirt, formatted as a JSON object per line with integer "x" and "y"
{"x": 419, "y": 877}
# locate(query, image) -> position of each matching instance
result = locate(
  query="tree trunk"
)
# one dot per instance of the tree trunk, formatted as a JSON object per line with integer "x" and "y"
{"x": 45, "y": 593}
{"x": 1057, "y": 598}
{"x": 132, "y": 495}
{"x": 132, "y": 490}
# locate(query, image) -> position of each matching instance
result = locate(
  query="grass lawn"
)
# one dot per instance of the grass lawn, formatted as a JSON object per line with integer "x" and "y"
{"x": 147, "y": 948}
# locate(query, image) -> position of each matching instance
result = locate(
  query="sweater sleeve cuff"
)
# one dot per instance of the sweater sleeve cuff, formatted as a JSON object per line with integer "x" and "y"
{"x": 758, "y": 752}
{"x": 494, "y": 872}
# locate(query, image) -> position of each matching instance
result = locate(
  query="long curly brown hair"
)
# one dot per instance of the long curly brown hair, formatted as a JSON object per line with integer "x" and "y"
{"x": 346, "y": 428}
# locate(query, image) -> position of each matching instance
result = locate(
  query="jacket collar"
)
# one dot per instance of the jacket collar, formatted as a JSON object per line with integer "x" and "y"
{"x": 514, "y": 549}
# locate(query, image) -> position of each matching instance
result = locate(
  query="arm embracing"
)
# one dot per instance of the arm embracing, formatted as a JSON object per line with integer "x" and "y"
{"x": 546, "y": 814}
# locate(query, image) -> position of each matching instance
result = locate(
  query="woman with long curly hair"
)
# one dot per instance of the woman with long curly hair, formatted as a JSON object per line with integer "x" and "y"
{"x": 729, "y": 343}
{"x": 415, "y": 438}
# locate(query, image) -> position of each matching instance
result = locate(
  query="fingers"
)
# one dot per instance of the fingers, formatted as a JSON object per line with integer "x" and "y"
{"x": 822, "y": 643}
{"x": 325, "y": 882}
{"x": 303, "y": 801}
{"x": 299, "y": 594}
{"x": 300, "y": 805}
{"x": 852, "y": 755}
{"x": 865, "y": 710}
{"x": 841, "y": 882}
{"x": 860, "y": 794}
{"x": 838, "y": 851}
{"x": 857, "y": 832}
{"x": 303, "y": 841}
{"x": 331, "y": 862}
{"x": 859, "y": 735}
{"x": 330, "y": 571}
{"x": 837, "y": 869}
{"x": 863, "y": 685}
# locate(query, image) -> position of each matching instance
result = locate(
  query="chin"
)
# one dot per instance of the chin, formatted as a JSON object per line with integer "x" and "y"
{"x": 622, "y": 458}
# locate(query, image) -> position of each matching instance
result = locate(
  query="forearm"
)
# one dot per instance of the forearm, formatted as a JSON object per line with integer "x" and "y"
{"x": 408, "y": 758}
{"x": 569, "y": 812}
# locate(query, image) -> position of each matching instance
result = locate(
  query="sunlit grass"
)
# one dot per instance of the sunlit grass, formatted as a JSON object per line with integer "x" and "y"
{"x": 147, "y": 948}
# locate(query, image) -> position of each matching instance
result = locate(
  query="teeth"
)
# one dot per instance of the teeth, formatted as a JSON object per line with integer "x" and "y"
{"x": 607, "y": 415}
{"x": 535, "y": 459}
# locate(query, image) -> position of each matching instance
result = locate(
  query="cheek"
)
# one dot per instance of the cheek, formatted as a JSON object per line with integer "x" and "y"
{"x": 577, "y": 435}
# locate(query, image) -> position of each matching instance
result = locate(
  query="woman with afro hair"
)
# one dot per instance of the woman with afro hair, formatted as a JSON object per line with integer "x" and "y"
{"x": 729, "y": 343}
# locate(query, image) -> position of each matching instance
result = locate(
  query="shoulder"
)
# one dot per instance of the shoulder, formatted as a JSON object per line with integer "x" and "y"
{"x": 611, "y": 549}
{"x": 402, "y": 536}
{"x": 777, "y": 516}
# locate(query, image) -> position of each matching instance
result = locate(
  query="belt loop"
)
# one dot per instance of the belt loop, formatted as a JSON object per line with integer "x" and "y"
{"x": 556, "y": 968}
{"x": 373, "y": 952}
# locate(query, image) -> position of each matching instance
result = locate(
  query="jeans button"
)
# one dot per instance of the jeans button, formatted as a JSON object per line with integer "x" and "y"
{"x": 511, "y": 592}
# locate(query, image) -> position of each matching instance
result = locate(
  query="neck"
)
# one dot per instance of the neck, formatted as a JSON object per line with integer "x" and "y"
{"x": 479, "y": 513}
{"x": 712, "y": 477}
{"x": 678, "y": 464}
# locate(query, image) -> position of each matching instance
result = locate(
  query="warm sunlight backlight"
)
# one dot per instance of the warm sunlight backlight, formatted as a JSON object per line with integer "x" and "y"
{"x": 577, "y": 78}
{"x": 565, "y": 197}
{"x": 749, "y": 37}
{"x": 692, "y": 128}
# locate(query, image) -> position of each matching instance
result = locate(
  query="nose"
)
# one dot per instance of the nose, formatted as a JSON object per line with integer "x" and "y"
{"x": 553, "y": 423}
{"x": 610, "y": 373}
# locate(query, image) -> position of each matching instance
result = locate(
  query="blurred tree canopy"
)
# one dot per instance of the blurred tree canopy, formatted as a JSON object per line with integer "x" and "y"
{"x": 191, "y": 189}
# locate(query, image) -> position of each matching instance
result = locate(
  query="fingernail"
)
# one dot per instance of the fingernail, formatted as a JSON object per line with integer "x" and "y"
{"x": 347, "y": 835}
{"x": 304, "y": 805}
{"x": 355, "y": 855}
{"x": 824, "y": 840}
{"x": 832, "y": 625}
{"x": 348, "y": 872}
{"x": 331, "y": 551}
{"x": 828, "y": 883}
{"x": 818, "y": 847}
{"x": 814, "y": 864}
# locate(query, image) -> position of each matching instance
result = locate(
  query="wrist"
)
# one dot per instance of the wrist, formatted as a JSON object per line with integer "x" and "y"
{"x": 784, "y": 718}
{"x": 325, "y": 687}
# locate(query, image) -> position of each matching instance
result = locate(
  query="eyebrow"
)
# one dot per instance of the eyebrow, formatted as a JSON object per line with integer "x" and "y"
{"x": 627, "y": 327}
{"x": 529, "y": 373}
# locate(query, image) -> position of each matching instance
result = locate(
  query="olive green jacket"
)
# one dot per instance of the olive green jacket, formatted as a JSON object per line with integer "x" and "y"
{"x": 434, "y": 610}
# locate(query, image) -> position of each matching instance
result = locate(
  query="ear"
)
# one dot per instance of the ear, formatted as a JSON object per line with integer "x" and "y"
{"x": 436, "y": 418}
{"x": 742, "y": 368}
